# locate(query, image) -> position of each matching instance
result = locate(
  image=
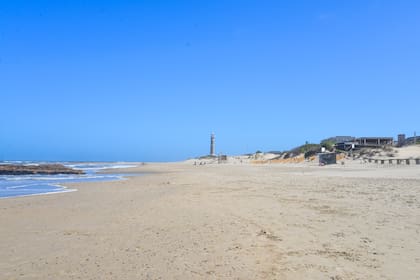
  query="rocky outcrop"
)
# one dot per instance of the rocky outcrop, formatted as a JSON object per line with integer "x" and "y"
{"x": 42, "y": 169}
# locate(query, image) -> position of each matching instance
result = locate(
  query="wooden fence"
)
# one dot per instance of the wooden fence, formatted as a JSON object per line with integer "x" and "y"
{"x": 396, "y": 161}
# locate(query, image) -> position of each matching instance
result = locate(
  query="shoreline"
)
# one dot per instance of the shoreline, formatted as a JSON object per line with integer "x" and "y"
{"x": 64, "y": 190}
{"x": 21, "y": 185}
{"x": 180, "y": 221}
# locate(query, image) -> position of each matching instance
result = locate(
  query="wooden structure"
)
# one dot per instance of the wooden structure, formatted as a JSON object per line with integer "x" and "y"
{"x": 398, "y": 161}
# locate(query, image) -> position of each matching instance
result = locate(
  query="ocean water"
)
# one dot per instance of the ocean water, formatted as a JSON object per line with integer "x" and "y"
{"x": 24, "y": 185}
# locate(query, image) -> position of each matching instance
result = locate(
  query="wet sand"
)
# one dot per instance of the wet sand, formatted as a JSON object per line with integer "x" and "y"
{"x": 226, "y": 221}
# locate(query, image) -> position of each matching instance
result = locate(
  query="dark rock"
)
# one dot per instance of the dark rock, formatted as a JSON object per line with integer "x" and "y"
{"x": 42, "y": 169}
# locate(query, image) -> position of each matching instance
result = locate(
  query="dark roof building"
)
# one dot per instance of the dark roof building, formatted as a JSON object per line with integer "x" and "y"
{"x": 374, "y": 142}
{"x": 339, "y": 139}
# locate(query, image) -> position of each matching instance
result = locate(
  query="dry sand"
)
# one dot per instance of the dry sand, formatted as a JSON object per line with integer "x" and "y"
{"x": 227, "y": 221}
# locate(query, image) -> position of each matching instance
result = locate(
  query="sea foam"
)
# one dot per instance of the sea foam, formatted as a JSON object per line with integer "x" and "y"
{"x": 25, "y": 185}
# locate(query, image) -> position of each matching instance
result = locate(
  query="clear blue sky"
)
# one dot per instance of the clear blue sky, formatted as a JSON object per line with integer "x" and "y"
{"x": 150, "y": 80}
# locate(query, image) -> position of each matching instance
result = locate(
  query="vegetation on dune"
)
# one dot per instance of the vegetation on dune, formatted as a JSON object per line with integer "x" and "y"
{"x": 328, "y": 145}
{"x": 308, "y": 150}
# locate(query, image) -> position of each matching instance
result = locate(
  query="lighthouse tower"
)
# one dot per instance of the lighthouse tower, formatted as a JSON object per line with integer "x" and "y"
{"x": 212, "y": 148}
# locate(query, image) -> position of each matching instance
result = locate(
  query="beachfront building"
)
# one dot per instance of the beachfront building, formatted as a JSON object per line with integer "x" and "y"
{"x": 346, "y": 146}
{"x": 401, "y": 140}
{"x": 374, "y": 142}
{"x": 404, "y": 141}
{"x": 366, "y": 142}
{"x": 412, "y": 140}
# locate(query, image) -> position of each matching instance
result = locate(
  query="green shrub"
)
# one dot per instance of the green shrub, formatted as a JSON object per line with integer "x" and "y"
{"x": 328, "y": 145}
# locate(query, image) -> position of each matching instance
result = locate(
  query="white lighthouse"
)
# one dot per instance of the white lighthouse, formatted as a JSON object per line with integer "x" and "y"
{"x": 212, "y": 147}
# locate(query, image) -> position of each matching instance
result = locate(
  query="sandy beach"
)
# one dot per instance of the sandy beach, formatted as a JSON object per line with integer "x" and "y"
{"x": 221, "y": 221}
